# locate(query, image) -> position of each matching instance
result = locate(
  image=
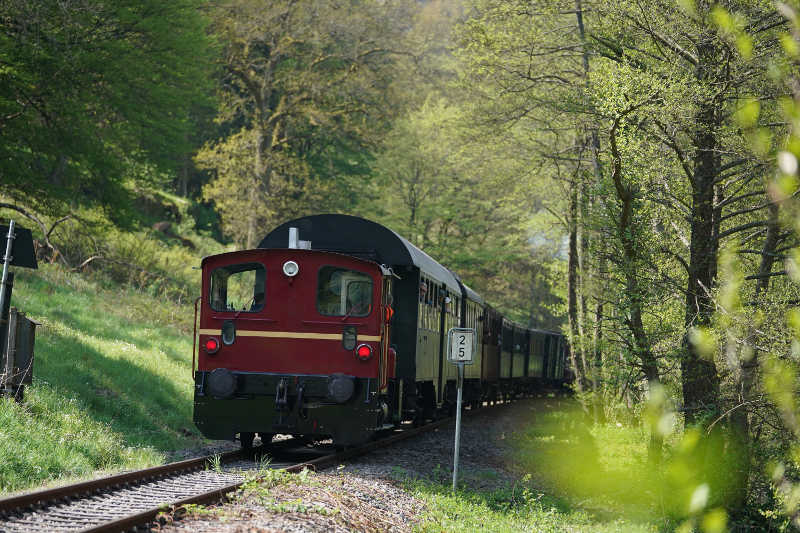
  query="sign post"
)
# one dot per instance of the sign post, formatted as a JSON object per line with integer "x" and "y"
{"x": 7, "y": 257}
{"x": 19, "y": 251}
{"x": 14, "y": 345}
{"x": 460, "y": 351}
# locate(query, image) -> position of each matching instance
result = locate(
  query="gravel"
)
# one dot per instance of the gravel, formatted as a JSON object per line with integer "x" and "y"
{"x": 211, "y": 448}
{"x": 219, "y": 447}
{"x": 365, "y": 493}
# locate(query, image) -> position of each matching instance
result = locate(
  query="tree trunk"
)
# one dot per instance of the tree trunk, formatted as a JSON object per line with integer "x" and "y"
{"x": 699, "y": 375}
{"x": 258, "y": 169}
{"x": 597, "y": 358}
{"x": 581, "y": 246}
{"x": 572, "y": 289}
{"x": 748, "y": 366}
{"x": 635, "y": 297}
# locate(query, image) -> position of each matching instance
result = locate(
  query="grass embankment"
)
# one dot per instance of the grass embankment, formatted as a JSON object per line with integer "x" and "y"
{"x": 518, "y": 508}
{"x": 573, "y": 475}
{"x": 561, "y": 466}
{"x": 112, "y": 382}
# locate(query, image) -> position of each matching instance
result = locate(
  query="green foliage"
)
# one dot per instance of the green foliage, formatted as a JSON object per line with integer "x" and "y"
{"x": 676, "y": 274}
{"x": 448, "y": 192}
{"x": 300, "y": 104}
{"x": 606, "y": 468}
{"x": 92, "y": 92}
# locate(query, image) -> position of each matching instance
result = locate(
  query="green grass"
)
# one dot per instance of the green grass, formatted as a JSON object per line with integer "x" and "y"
{"x": 112, "y": 381}
{"x": 569, "y": 476}
{"x": 603, "y": 467}
{"x": 518, "y": 508}
{"x": 605, "y": 470}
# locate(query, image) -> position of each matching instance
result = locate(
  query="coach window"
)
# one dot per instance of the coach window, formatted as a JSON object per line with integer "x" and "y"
{"x": 428, "y": 304}
{"x": 343, "y": 292}
{"x": 238, "y": 288}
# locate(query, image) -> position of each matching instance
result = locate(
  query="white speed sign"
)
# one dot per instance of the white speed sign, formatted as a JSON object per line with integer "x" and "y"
{"x": 461, "y": 345}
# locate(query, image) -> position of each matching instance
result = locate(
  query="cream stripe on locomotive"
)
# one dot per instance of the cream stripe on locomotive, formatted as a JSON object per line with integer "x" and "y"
{"x": 291, "y": 335}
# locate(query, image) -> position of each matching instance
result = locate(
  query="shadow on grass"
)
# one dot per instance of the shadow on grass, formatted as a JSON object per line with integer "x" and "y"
{"x": 88, "y": 412}
{"x": 105, "y": 328}
{"x": 147, "y": 409}
{"x": 112, "y": 386}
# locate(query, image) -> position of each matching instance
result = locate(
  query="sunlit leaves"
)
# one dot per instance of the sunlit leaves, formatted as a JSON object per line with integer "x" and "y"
{"x": 732, "y": 25}
{"x": 779, "y": 381}
{"x": 780, "y": 373}
{"x": 787, "y": 162}
{"x": 699, "y": 498}
{"x": 704, "y": 341}
{"x": 732, "y": 281}
{"x": 761, "y": 142}
{"x": 657, "y": 414}
{"x": 747, "y": 113}
{"x": 689, "y": 6}
{"x": 715, "y": 521}
{"x": 790, "y": 46}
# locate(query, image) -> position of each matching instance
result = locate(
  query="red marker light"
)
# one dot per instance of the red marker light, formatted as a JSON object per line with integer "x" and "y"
{"x": 364, "y": 352}
{"x": 211, "y": 345}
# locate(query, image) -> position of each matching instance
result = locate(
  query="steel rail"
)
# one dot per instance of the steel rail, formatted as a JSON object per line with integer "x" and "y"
{"x": 45, "y": 496}
{"x": 320, "y": 463}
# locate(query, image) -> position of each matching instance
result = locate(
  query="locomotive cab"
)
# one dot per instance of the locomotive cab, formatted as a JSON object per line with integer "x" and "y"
{"x": 292, "y": 341}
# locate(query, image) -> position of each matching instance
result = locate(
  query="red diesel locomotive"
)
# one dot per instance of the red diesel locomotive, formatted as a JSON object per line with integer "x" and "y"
{"x": 342, "y": 334}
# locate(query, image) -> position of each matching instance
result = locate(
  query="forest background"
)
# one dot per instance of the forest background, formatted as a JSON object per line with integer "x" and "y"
{"x": 625, "y": 171}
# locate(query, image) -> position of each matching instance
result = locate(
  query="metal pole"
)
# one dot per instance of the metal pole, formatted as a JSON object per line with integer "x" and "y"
{"x": 458, "y": 423}
{"x": 4, "y": 324}
{"x": 6, "y": 264}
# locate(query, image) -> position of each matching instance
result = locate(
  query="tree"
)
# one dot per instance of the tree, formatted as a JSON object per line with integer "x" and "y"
{"x": 448, "y": 191}
{"x": 302, "y": 89}
{"x": 687, "y": 58}
{"x": 88, "y": 87}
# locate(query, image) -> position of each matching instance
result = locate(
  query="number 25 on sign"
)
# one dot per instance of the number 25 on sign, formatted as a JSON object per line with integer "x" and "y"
{"x": 461, "y": 345}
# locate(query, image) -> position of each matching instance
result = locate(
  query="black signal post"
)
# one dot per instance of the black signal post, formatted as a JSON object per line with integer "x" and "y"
{"x": 19, "y": 252}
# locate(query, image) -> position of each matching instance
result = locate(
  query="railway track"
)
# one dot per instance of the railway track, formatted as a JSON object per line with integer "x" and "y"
{"x": 125, "y": 501}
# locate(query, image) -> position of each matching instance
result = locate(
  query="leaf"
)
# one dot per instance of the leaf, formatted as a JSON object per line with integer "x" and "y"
{"x": 746, "y": 114}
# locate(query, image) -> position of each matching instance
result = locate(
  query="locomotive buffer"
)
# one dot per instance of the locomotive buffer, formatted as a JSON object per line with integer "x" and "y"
{"x": 460, "y": 351}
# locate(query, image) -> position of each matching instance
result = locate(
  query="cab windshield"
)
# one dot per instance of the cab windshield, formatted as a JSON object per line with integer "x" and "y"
{"x": 343, "y": 292}
{"x": 238, "y": 288}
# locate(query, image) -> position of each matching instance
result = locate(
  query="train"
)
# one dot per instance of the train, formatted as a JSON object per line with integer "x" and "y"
{"x": 335, "y": 327}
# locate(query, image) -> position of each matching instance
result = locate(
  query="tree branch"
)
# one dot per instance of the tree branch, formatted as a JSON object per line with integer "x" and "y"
{"x": 737, "y": 229}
